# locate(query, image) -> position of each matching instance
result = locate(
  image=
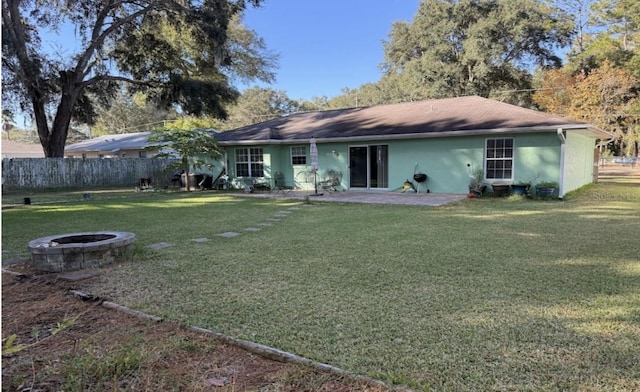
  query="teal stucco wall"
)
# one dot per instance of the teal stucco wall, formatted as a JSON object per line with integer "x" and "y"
{"x": 578, "y": 163}
{"x": 444, "y": 160}
{"x": 537, "y": 158}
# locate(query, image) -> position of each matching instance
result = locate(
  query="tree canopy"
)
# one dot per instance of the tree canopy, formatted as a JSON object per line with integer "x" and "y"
{"x": 180, "y": 53}
{"x": 257, "y": 104}
{"x": 194, "y": 148}
{"x": 475, "y": 47}
{"x": 600, "y": 83}
{"x": 126, "y": 113}
{"x": 467, "y": 47}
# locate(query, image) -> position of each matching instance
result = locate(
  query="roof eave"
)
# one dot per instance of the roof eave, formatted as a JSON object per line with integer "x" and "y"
{"x": 589, "y": 129}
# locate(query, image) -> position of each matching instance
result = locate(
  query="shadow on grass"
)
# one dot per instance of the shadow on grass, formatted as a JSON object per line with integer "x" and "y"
{"x": 491, "y": 294}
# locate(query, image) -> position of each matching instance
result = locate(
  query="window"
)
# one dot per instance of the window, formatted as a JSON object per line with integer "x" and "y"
{"x": 249, "y": 162}
{"x": 499, "y": 159}
{"x": 299, "y": 155}
{"x": 142, "y": 154}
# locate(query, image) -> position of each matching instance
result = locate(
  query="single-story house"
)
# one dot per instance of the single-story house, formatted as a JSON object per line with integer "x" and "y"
{"x": 126, "y": 145}
{"x": 379, "y": 148}
{"x": 12, "y": 149}
{"x": 129, "y": 145}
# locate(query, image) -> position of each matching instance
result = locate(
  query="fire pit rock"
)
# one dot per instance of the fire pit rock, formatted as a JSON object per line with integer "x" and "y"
{"x": 76, "y": 251}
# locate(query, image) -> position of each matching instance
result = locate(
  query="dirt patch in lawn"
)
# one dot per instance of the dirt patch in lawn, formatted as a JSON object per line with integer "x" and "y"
{"x": 74, "y": 345}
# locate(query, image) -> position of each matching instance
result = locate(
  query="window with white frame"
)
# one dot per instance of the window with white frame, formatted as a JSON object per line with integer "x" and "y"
{"x": 499, "y": 159}
{"x": 249, "y": 162}
{"x": 299, "y": 155}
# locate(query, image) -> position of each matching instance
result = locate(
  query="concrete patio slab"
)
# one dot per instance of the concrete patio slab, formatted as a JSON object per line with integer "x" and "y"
{"x": 371, "y": 197}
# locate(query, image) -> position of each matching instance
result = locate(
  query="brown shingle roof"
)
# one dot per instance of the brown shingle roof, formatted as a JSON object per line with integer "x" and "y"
{"x": 441, "y": 117}
{"x": 11, "y": 149}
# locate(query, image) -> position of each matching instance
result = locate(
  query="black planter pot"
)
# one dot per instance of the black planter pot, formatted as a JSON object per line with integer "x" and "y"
{"x": 545, "y": 191}
{"x": 521, "y": 190}
{"x": 500, "y": 189}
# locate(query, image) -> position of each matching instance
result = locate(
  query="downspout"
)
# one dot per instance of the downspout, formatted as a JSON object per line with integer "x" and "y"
{"x": 563, "y": 141}
{"x": 225, "y": 169}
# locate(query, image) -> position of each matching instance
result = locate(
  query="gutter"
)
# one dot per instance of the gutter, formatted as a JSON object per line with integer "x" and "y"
{"x": 403, "y": 136}
{"x": 563, "y": 142}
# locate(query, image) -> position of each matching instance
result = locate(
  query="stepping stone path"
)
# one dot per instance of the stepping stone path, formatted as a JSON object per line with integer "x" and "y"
{"x": 159, "y": 245}
{"x": 228, "y": 234}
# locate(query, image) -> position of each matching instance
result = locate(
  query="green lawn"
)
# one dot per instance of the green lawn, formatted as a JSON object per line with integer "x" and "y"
{"x": 487, "y": 294}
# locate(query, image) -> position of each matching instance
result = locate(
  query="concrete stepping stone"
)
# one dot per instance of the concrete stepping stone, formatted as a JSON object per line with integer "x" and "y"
{"x": 252, "y": 229}
{"x": 159, "y": 245}
{"x": 283, "y": 212}
{"x": 200, "y": 240}
{"x": 228, "y": 234}
{"x": 273, "y": 219}
{"x": 265, "y": 224}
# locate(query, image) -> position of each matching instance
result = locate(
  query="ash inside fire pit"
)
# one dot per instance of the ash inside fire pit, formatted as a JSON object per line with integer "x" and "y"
{"x": 75, "y": 251}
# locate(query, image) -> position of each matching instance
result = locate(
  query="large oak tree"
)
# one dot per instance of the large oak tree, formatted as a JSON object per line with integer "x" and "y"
{"x": 177, "y": 51}
{"x": 476, "y": 47}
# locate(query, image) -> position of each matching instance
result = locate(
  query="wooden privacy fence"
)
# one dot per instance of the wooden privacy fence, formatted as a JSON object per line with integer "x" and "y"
{"x": 45, "y": 173}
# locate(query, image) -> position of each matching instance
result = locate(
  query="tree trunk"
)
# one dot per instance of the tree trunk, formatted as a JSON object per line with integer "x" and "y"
{"x": 41, "y": 121}
{"x": 185, "y": 165}
{"x": 186, "y": 174}
{"x": 53, "y": 140}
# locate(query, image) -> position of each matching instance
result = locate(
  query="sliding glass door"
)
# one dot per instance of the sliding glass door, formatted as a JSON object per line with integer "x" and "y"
{"x": 368, "y": 166}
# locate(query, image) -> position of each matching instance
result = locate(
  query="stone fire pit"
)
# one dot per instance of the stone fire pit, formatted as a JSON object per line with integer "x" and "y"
{"x": 75, "y": 251}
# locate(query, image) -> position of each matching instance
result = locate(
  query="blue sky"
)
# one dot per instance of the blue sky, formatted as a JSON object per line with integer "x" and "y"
{"x": 327, "y": 45}
{"x": 324, "y": 46}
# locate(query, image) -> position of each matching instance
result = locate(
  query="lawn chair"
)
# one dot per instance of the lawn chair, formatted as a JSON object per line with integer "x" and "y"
{"x": 331, "y": 181}
{"x": 279, "y": 184}
{"x": 221, "y": 183}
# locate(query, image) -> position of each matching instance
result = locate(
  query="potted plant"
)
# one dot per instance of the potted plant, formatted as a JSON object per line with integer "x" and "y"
{"x": 546, "y": 188}
{"x": 521, "y": 188}
{"x": 476, "y": 185}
